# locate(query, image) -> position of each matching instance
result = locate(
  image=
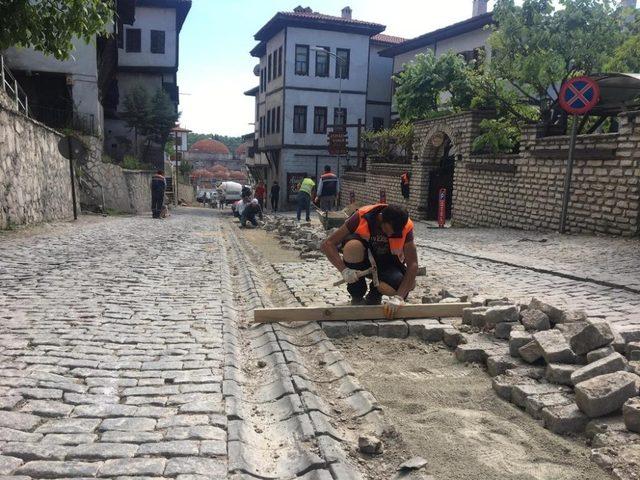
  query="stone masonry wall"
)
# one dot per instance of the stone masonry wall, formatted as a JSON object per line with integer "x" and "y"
{"x": 126, "y": 191}
{"x": 522, "y": 190}
{"x": 35, "y": 182}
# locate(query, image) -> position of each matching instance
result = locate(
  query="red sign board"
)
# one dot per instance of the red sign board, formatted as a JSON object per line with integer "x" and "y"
{"x": 442, "y": 207}
{"x": 338, "y": 142}
{"x": 579, "y": 95}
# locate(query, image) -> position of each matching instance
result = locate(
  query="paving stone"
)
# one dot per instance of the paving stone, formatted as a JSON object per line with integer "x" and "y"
{"x": 520, "y": 392}
{"x": 474, "y": 316}
{"x": 34, "y": 451}
{"x": 47, "y": 408}
{"x": 197, "y": 466}
{"x": 69, "y": 438}
{"x": 183, "y": 421}
{"x": 518, "y": 339}
{"x": 499, "y": 364}
{"x": 9, "y": 464}
{"x": 172, "y": 448}
{"x": 52, "y": 469}
{"x": 613, "y": 363}
{"x": 631, "y": 414}
{"x": 393, "y": 329}
{"x": 503, "y": 384}
{"x": 19, "y": 421}
{"x": 418, "y": 326}
{"x": 335, "y": 329}
{"x": 530, "y": 352}
{"x": 595, "y": 334}
{"x": 535, "y": 403}
{"x": 599, "y": 353}
{"x": 560, "y": 373}
{"x": 452, "y": 337}
{"x": 503, "y": 330}
{"x": 532, "y": 371}
{"x": 133, "y": 467}
{"x": 9, "y": 402}
{"x": 368, "y": 328}
{"x": 69, "y": 425}
{"x": 564, "y": 419}
{"x": 128, "y": 424}
{"x": 213, "y": 448}
{"x": 535, "y": 320}
{"x": 115, "y": 436}
{"x": 11, "y": 435}
{"x": 632, "y": 350}
{"x": 40, "y": 393}
{"x": 500, "y": 314}
{"x": 555, "y": 348}
{"x": 102, "y": 451}
{"x": 606, "y": 394}
{"x": 203, "y": 407}
{"x": 555, "y": 315}
{"x": 105, "y": 411}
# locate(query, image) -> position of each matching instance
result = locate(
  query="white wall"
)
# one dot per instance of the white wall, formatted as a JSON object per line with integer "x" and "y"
{"x": 468, "y": 41}
{"x": 81, "y": 67}
{"x": 147, "y": 19}
{"x": 380, "y": 86}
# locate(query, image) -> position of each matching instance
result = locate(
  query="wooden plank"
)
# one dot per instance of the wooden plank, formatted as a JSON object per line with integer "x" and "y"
{"x": 354, "y": 313}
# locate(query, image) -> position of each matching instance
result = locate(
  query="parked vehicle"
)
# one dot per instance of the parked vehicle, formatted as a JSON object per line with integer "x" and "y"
{"x": 231, "y": 191}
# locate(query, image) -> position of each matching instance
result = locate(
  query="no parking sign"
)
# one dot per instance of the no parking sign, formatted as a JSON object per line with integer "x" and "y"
{"x": 579, "y": 95}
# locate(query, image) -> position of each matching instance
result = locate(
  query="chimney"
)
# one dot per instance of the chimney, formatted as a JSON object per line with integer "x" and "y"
{"x": 479, "y": 7}
{"x": 346, "y": 13}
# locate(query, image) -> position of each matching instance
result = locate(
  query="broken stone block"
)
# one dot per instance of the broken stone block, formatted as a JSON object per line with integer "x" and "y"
{"x": 335, "y": 329}
{"x": 478, "y": 301}
{"x": 499, "y": 314}
{"x": 518, "y": 339}
{"x": 473, "y": 352}
{"x": 431, "y": 298}
{"x": 519, "y": 393}
{"x": 555, "y": 314}
{"x": 634, "y": 367}
{"x": 370, "y": 445}
{"x": 599, "y": 353}
{"x": 629, "y": 333}
{"x": 452, "y": 337}
{"x": 555, "y": 348}
{"x": 535, "y": 403}
{"x": 530, "y": 352}
{"x": 417, "y": 326}
{"x": 499, "y": 364}
{"x": 535, "y": 320}
{"x": 474, "y": 316}
{"x": 503, "y": 384}
{"x": 606, "y": 394}
{"x": 531, "y": 371}
{"x": 632, "y": 350}
{"x": 393, "y": 329}
{"x": 560, "y": 373}
{"x": 564, "y": 419}
{"x": 598, "y": 426}
{"x": 503, "y": 330}
{"x": 631, "y": 414}
{"x": 574, "y": 316}
{"x": 595, "y": 334}
{"x": 612, "y": 363}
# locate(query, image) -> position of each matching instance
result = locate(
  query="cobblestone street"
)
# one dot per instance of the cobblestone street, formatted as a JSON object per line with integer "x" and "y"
{"x": 111, "y": 351}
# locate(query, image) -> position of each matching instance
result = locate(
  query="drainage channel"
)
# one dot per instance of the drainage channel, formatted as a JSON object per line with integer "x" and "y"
{"x": 279, "y": 425}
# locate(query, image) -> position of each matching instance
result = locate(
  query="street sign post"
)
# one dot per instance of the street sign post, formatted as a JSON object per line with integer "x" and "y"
{"x": 577, "y": 97}
{"x": 72, "y": 149}
{"x": 338, "y": 142}
{"x": 442, "y": 207}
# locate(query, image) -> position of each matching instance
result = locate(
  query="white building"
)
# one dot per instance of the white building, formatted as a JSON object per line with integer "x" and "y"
{"x": 148, "y": 55}
{"x": 69, "y": 93}
{"x": 468, "y": 38}
{"x": 315, "y": 71}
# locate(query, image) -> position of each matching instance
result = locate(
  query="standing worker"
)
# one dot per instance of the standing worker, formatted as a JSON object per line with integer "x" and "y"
{"x": 386, "y": 233}
{"x": 328, "y": 189}
{"x": 405, "y": 180}
{"x": 260, "y": 193}
{"x": 158, "y": 186}
{"x": 305, "y": 193}
{"x": 275, "y": 196}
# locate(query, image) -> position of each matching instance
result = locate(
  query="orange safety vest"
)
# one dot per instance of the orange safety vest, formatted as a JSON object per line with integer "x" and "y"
{"x": 396, "y": 243}
{"x": 404, "y": 178}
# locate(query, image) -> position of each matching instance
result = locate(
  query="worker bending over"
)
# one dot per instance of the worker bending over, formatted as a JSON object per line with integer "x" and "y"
{"x": 387, "y": 232}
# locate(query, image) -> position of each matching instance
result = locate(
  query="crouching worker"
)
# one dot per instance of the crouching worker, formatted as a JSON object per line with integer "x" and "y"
{"x": 249, "y": 212}
{"x": 387, "y": 232}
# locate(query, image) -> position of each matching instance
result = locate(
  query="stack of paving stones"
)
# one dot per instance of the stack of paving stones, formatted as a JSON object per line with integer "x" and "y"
{"x": 293, "y": 235}
{"x": 573, "y": 374}
{"x": 301, "y": 422}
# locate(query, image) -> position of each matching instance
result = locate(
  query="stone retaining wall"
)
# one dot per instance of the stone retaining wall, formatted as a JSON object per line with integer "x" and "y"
{"x": 35, "y": 183}
{"x": 522, "y": 190}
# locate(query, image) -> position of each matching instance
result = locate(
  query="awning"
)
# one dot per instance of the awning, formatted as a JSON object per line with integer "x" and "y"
{"x": 619, "y": 92}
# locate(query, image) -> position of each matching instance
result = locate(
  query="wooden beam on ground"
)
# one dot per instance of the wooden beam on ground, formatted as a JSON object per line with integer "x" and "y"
{"x": 355, "y": 313}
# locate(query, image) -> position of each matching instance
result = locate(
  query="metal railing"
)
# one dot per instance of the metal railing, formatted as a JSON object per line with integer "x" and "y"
{"x": 12, "y": 88}
{"x": 61, "y": 119}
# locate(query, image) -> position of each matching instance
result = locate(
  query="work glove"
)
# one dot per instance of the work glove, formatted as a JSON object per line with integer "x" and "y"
{"x": 391, "y": 306}
{"x": 350, "y": 275}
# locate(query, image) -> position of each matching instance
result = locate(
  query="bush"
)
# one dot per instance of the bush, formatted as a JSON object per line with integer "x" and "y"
{"x": 391, "y": 143}
{"x": 498, "y": 136}
{"x": 132, "y": 163}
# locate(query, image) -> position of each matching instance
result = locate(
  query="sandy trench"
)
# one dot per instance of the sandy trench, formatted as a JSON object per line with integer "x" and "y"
{"x": 447, "y": 412}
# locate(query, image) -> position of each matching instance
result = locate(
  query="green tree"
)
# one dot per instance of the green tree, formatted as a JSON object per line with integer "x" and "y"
{"x": 428, "y": 85}
{"x": 50, "y": 25}
{"x": 137, "y": 111}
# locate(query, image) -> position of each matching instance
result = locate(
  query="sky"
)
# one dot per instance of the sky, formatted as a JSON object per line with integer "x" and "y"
{"x": 216, "y": 68}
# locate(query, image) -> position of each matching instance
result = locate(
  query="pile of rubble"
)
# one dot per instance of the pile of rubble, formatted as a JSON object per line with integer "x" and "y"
{"x": 304, "y": 237}
{"x": 573, "y": 373}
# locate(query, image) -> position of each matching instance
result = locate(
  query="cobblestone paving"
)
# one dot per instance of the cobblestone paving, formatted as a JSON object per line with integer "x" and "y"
{"x": 111, "y": 351}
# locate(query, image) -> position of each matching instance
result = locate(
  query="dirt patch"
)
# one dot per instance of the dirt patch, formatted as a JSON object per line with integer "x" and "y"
{"x": 269, "y": 246}
{"x": 447, "y": 413}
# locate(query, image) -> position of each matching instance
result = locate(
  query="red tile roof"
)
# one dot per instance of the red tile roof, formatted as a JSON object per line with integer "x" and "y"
{"x": 388, "y": 39}
{"x": 322, "y": 16}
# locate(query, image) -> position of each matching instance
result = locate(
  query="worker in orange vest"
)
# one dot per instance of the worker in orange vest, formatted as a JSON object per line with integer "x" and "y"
{"x": 405, "y": 180}
{"x": 386, "y": 231}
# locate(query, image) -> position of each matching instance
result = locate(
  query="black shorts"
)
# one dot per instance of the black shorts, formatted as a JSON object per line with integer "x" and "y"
{"x": 390, "y": 269}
